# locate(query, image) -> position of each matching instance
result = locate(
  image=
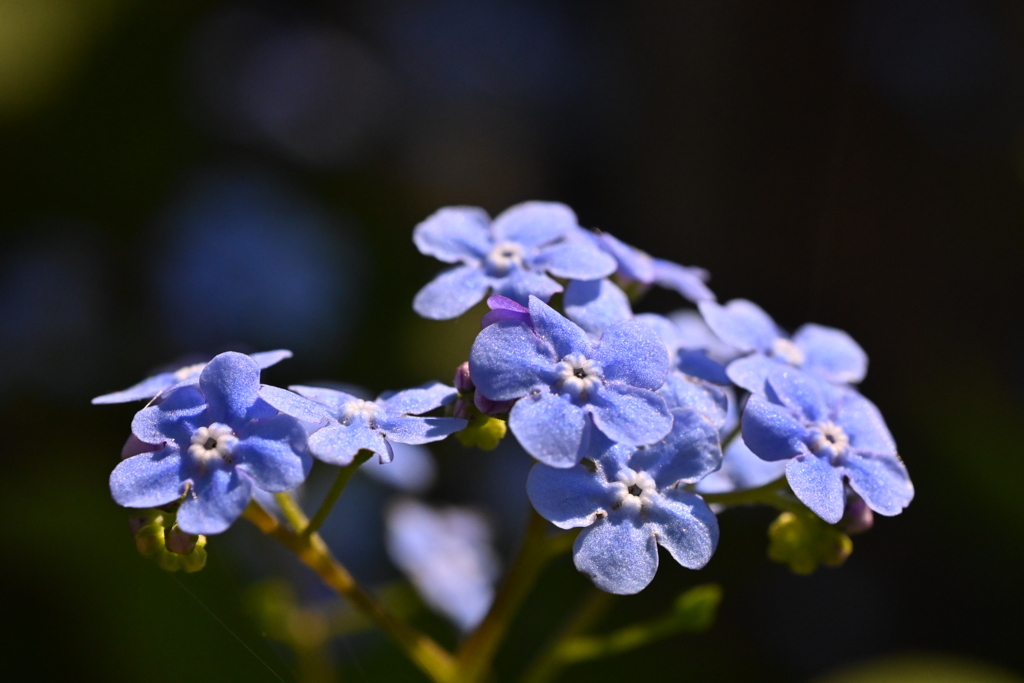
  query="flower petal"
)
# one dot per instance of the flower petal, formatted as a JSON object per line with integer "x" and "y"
{"x": 741, "y": 323}
{"x": 332, "y": 399}
{"x": 419, "y": 430}
{"x": 176, "y": 417}
{"x": 751, "y": 372}
{"x": 633, "y": 264}
{"x": 831, "y": 354}
{"x": 520, "y": 284}
{"x": 415, "y": 401}
{"x": 630, "y": 415}
{"x": 689, "y": 282}
{"x": 509, "y": 360}
{"x": 800, "y": 392}
{"x": 451, "y": 293}
{"x": 596, "y": 304}
{"x": 771, "y": 431}
{"x": 149, "y": 479}
{"x": 265, "y": 359}
{"x": 453, "y": 234}
{"x": 413, "y": 470}
{"x": 147, "y": 388}
{"x": 683, "y": 391}
{"x": 631, "y": 352}
{"x": 532, "y": 224}
{"x": 881, "y": 480}
{"x": 231, "y": 383}
{"x": 741, "y": 469}
{"x": 215, "y": 501}
{"x": 863, "y": 423}
{"x": 575, "y": 258}
{"x": 273, "y": 452}
{"x": 685, "y": 526}
{"x": 550, "y": 428}
{"x": 291, "y": 403}
{"x": 337, "y": 444}
{"x": 618, "y": 555}
{"x": 569, "y": 498}
{"x": 818, "y": 485}
{"x": 689, "y": 452}
{"x": 565, "y": 336}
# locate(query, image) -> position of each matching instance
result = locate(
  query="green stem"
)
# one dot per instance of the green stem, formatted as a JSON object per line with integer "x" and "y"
{"x": 774, "y": 493}
{"x": 291, "y": 510}
{"x": 477, "y": 652}
{"x": 433, "y": 660}
{"x": 551, "y": 660}
{"x": 731, "y": 436}
{"x": 344, "y": 474}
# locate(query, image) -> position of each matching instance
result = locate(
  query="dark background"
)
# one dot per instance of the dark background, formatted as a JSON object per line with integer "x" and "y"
{"x": 180, "y": 178}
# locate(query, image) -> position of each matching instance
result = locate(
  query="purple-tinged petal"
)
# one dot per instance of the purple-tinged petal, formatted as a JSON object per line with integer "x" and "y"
{"x": 290, "y": 403}
{"x": 509, "y": 360}
{"x": 633, "y": 264}
{"x": 176, "y": 417}
{"x": 417, "y": 400}
{"x": 800, "y": 392}
{"x": 596, "y": 304}
{"x": 503, "y": 308}
{"x": 265, "y": 359}
{"x": 231, "y": 383}
{"x": 146, "y": 389}
{"x": 574, "y": 258}
{"x": 632, "y": 352}
{"x": 419, "y": 430}
{"x": 685, "y": 526}
{"x": 617, "y": 555}
{"x": 451, "y": 293}
{"x": 569, "y": 498}
{"x": 689, "y": 282}
{"x": 751, "y": 372}
{"x": 565, "y": 336}
{"x": 690, "y": 452}
{"x": 453, "y": 234}
{"x": 332, "y": 399}
{"x": 771, "y": 431}
{"x": 741, "y": 323}
{"x": 214, "y": 502}
{"x": 683, "y": 391}
{"x": 629, "y": 415}
{"x": 337, "y": 444}
{"x": 818, "y": 485}
{"x": 149, "y": 479}
{"x": 863, "y": 423}
{"x": 532, "y": 224}
{"x": 550, "y": 428}
{"x": 881, "y": 480}
{"x": 272, "y": 451}
{"x": 831, "y": 354}
{"x": 520, "y": 284}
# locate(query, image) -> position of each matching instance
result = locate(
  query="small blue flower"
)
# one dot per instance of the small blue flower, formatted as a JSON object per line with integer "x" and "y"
{"x": 566, "y": 384}
{"x": 741, "y": 470}
{"x": 184, "y": 376}
{"x": 217, "y": 441}
{"x": 512, "y": 255}
{"x": 350, "y": 424}
{"x": 448, "y": 556}
{"x": 822, "y": 351}
{"x": 635, "y": 265}
{"x": 630, "y": 501}
{"x": 827, "y": 433}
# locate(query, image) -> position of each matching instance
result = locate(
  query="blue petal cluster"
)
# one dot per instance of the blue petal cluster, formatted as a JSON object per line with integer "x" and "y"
{"x": 513, "y": 256}
{"x": 631, "y": 500}
{"x": 214, "y": 441}
{"x": 640, "y": 267}
{"x": 827, "y": 433}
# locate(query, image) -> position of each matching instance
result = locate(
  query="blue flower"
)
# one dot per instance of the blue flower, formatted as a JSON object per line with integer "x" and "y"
{"x": 566, "y": 384}
{"x": 448, "y": 556}
{"x": 510, "y": 255}
{"x": 351, "y": 424}
{"x": 630, "y": 501}
{"x": 184, "y": 376}
{"x": 822, "y": 351}
{"x": 634, "y": 265}
{"x": 217, "y": 441}
{"x": 827, "y": 433}
{"x": 741, "y": 469}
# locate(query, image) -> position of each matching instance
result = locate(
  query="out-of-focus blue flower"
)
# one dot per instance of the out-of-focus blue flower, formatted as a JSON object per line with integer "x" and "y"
{"x": 741, "y": 469}
{"x": 447, "y": 555}
{"x": 218, "y": 441}
{"x": 566, "y": 384}
{"x": 412, "y": 471}
{"x": 596, "y": 304}
{"x": 638, "y": 266}
{"x": 630, "y": 501}
{"x": 822, "y": 351}
{"x": 827, "y": 433}
{"x": 184, "y": 376}
{"x": 351, "y": 424}
{"x": 511, "y": 255}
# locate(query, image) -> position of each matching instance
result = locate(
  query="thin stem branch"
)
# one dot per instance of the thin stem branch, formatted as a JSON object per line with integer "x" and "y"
{"x": 344, "y": 474}
{"x": 551, "y": 661}
{"x": 291, "y": 510}
{"x": 433, "y": 660}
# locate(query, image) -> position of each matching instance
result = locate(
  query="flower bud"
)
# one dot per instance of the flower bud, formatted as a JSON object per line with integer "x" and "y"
{"x": 463, "y": 382}
{"x": 178, "y": 541}
{"x": 805, "y": 541}
{"x": 858, "y": 517}
{"x": 483, "y": 431}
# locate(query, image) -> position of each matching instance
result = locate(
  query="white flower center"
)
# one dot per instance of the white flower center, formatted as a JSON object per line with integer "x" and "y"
{"x": 829, "y": 439}
{"x": 188, "y": 371}
{"x": 579, "y": 375}
{"x": 359, "y": 408}
{"x": 633, "y": 490}
{"x": 503, "y": 257}
{"x": 788, "y": 351}
{"x": 212, "y": 444}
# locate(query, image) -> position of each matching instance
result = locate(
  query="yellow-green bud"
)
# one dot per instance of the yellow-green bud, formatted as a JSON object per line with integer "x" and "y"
{"x": 483, "y": 431}
{"x": 805, "y": 541}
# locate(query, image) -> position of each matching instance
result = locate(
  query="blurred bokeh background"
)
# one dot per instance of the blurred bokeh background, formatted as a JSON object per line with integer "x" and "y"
{"x": 183, "y": 178}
